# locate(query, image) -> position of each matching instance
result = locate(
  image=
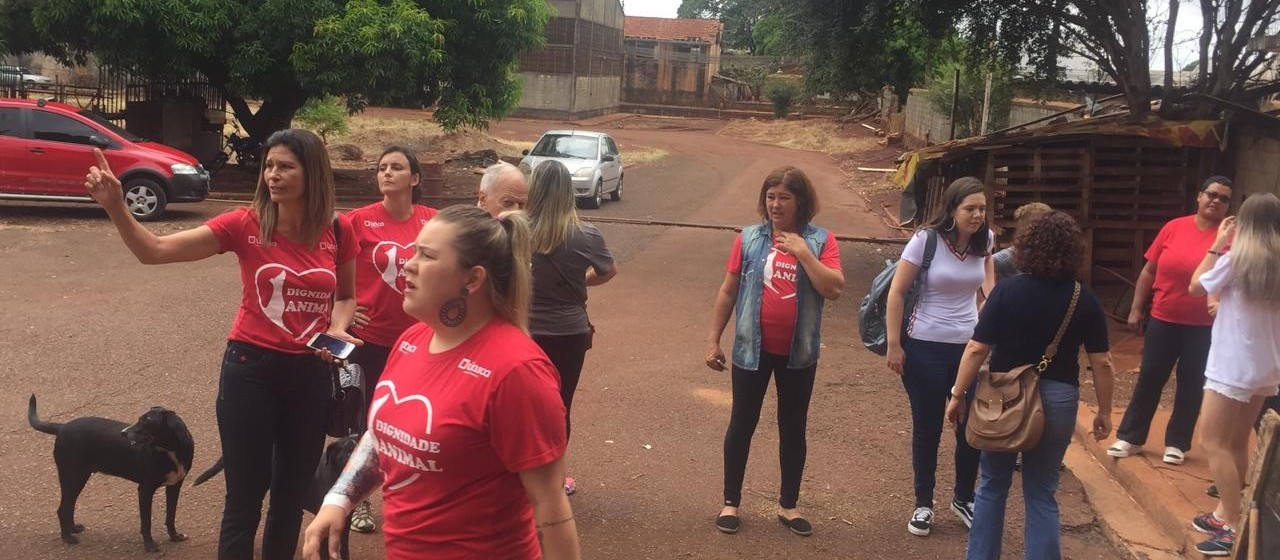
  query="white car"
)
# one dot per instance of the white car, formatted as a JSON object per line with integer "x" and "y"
{"x": 592, "y": 158}
{"x": 15, "y": 75}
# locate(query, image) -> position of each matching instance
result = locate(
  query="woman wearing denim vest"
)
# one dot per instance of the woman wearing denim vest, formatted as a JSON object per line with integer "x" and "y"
{"x": 780, "y": 273}
{"x": 925, "y": 347}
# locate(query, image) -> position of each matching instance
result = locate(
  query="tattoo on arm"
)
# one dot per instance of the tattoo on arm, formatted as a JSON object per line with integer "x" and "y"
{"x": 361, "y": 476}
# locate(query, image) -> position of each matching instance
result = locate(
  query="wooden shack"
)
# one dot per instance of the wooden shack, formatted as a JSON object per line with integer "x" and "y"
{"x": 1122, "y": 178}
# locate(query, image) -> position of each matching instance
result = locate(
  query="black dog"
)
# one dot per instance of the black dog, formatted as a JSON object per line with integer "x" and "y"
{"x": 335, "y": 459}
{"x": 156, "y": 451}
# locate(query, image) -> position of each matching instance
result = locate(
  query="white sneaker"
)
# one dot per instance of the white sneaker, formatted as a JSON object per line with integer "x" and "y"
{"x": 1174, "y": 456}
{"x": 921, "y": 522}
{"x": 1122, "y": 448}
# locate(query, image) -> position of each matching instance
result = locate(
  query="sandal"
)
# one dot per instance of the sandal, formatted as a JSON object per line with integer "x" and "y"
{"x": 728, "y": 524}
{"x": 799, "y": 525}
{"x": 362, "y": 519}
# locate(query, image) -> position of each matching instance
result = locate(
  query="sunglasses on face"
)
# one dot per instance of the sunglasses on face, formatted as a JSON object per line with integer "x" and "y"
{"x": 1213, "y": 196}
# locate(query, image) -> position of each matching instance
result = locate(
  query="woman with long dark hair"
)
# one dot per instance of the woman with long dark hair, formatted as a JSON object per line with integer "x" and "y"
{"x": 384, "y": 231}
{"x": 925, "y": 347}
{"x": 298, "y": 277}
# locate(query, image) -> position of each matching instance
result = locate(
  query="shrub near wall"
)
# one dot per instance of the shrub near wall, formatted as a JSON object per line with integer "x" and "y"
{"x": 783, "y": 91}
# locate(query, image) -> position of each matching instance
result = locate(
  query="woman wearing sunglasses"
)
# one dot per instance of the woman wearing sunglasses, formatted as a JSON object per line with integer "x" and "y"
{"x": 1177, "y": 330}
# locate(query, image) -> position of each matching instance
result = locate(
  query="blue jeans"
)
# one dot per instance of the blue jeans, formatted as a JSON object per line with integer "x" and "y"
{"x": 1040, "y": 469}
{"x": 928, "y": 374}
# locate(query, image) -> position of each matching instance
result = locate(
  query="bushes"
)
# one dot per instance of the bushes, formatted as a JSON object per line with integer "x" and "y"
{"x": 324, "y": 116}
{"x": 782, "y": 93}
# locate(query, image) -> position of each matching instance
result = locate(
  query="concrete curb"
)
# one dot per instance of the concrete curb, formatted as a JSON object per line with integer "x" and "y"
{"x": 1133, "y": 479}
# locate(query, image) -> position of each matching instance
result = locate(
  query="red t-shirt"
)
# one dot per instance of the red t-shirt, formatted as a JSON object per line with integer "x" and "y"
{"x": 453, "y": 430}
{"x": 778, "y": 304}
{"x": 1176, "y": 252}
{"x": 287, "y": 286}
{"x": 385, "y": 245}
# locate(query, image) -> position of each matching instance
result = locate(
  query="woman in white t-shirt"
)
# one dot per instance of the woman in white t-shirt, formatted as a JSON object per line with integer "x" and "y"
{"x": 1244, "y": 356}
{"x": 926, "y": 350}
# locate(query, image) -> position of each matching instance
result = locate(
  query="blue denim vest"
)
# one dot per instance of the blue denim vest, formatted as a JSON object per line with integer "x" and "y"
{"x": 757, "y": 240}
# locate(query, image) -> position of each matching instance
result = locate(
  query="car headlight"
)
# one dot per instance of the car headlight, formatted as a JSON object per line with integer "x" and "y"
{"x": 184, "y": 169}
{"x": 583, "y": 172}
{"x": 524, "y": 168}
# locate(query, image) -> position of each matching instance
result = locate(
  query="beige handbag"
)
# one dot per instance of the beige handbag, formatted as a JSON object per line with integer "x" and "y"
{"x": 1006, "y": 415}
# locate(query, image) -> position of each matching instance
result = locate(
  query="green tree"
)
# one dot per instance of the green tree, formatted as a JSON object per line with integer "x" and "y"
{"x": 324, "y": 116}
{"x": 955, "y": 55}
{"x": 1116, "y": 36}
{"x": 459, "y": 56}
{"x": 857, "y": 46}
{"x": 740, "y": 18}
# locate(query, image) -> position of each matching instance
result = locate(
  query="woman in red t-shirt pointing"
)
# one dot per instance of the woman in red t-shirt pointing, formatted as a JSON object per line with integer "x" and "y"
{"x": 298, "y": 279}
{"x": 467, "y": 430}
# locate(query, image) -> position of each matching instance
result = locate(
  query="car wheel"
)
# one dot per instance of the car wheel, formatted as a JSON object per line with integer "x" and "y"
{"x": 616, "y": 195}
{"x": 145, "y": 199}
{"x": 597, "y": 197}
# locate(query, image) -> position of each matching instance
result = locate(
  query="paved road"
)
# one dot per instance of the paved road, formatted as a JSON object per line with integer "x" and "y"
{"x": 93, "y": 332}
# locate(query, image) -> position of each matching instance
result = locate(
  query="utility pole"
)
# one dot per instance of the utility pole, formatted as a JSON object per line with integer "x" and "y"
{"x": 955, "y": 101}
{"x": 986, "y": 106}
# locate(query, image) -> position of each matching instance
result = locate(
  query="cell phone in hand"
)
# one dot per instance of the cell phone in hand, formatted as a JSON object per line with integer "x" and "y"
{"x": 336, "y": 346}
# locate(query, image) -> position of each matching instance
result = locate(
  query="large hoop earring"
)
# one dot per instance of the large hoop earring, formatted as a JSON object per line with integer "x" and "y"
{"x": 454, "y": 311}
{"x": 953, "y": 224}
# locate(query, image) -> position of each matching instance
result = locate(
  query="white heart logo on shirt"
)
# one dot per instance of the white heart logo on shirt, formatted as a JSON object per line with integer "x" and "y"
{"x": 388, "y": 259}
{"x": 284, "y": 301}
{"x": 394, "y": 397}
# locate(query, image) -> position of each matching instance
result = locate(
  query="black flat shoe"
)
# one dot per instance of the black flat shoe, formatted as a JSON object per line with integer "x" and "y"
{"x": 728, "y": 524}
{"x": 799, "y": 525}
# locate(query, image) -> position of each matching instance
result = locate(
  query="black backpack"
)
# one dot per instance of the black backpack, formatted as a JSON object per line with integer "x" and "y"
{"x": 871, "y": 323}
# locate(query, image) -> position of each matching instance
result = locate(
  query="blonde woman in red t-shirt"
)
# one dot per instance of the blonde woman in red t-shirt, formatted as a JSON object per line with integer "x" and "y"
{"x": 298, "y": 279}
{"x": 1177, "y": 329}
{"x": 384, "y": 232}
{"x": 467, "y": 430}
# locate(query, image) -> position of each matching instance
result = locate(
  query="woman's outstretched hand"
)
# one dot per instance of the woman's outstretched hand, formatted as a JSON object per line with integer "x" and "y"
{"x": 102, "y": 184}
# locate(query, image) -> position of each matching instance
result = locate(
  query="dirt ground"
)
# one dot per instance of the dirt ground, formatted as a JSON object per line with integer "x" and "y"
{"x": 92, "y": 332}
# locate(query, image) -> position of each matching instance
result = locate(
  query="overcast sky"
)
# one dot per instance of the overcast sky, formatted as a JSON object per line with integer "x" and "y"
{"x": 651, "y": 8}
{"x": 1185, "y": 39}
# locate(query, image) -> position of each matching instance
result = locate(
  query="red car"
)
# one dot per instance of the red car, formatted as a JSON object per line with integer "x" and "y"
{"x": 46, "y": 149}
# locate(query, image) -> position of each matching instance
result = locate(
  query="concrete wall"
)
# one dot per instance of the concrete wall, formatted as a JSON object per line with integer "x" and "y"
{"x": 603, "y": 12}
{"x": 563, "y": 8}
{"x": 1257, "y": 162}
{"x": 597, "y": 95}
{"x": 925, "y": 122}
{"x": 542, "y": 92}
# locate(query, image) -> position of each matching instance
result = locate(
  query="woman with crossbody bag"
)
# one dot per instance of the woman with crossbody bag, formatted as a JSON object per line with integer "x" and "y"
{"x": 1021, "y": 321}
{"x": 568, "y": 256}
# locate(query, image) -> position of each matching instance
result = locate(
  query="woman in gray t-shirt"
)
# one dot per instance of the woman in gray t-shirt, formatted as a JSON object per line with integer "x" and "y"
{"x": 568, "y": 256}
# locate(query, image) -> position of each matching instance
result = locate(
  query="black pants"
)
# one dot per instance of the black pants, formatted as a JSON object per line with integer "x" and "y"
{"x": 1164, "y": 345}
{"x": 271, "y": 410}
{"x": 567, "y": 353}
{"x": 372, "y": 359}
{"x": 929, "y": 372}
{"x": 795, "y": 386}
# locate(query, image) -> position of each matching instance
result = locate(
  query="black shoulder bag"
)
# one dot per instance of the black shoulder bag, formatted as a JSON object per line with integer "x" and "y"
{"x": 347, "y": 390}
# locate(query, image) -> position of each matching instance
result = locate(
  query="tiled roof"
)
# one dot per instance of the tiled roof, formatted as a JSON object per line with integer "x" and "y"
{"x": 671, "y": 29}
